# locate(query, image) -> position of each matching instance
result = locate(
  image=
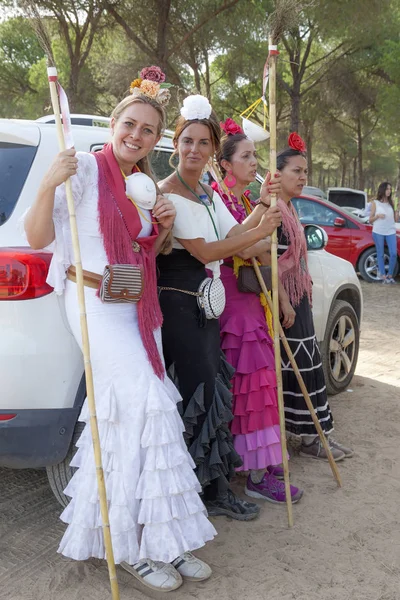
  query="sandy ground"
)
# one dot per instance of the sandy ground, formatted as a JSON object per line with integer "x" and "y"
{"x": 345, "y": 544}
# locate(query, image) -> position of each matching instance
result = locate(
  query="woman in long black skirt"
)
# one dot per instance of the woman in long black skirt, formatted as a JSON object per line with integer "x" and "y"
{"x": 204, "y": 233}
{"x": 293, "y": 272}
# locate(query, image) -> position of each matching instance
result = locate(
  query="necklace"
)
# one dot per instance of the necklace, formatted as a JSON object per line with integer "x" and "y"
{"x": 187, "y": 186}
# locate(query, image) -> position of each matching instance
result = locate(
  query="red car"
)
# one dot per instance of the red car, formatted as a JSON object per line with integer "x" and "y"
{"x": 349, "y": 237}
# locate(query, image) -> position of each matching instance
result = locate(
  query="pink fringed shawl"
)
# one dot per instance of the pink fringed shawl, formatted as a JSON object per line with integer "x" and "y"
{"x": 292, "y": 264}
{"x": 120, "y": 225}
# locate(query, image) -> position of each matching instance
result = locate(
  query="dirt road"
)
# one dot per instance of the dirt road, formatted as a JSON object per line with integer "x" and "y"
{"x": 345, "y": 544}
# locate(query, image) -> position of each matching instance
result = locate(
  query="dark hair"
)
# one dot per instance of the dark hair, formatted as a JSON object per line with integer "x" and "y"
{"x": 382, "y": 192}
{"x": 228, "y": 148}
{"x": 213, "y": 126}
{"x": 283, "y": 156}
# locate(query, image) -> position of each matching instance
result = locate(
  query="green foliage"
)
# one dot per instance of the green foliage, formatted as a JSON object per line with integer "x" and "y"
{"x": 339, "y": 69}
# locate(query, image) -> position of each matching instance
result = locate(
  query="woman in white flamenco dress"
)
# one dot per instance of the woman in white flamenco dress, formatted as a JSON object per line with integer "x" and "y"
{"x": 156, "y": 515}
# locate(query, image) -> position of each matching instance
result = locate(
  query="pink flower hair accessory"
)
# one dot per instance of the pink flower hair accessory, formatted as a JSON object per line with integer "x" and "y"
{"x": 296, "y": 142}
{"x": 152, "y": 73}
{"x": 230, "y": 127}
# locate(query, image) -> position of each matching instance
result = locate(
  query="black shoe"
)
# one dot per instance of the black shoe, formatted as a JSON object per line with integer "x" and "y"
{"x": 230, "y": 505}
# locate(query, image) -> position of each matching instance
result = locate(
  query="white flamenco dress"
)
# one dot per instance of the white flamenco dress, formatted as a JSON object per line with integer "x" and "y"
{"x": 154, "y": 507}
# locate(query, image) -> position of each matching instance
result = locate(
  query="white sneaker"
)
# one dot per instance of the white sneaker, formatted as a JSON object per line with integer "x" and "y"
{"x": 156, "y": 575}
{"x": 191, "y": 568}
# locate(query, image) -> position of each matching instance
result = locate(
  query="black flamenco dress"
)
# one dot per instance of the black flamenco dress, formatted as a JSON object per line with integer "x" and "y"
{"x": 191, "y": 346}
{"x": 304, "y": 346}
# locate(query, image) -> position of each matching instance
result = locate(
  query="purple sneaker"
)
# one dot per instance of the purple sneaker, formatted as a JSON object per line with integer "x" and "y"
{"x": 271, "y": 489}
{"x": 276, "y": 471}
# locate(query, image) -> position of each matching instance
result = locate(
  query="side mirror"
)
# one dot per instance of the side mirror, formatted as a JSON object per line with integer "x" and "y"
{"x": 339, "y": 222}
{"x": 316, "y": 237}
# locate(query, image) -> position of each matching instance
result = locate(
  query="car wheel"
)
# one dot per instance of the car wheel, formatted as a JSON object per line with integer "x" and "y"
{"x": 368, "y": 265}
{"x": 340, "y": 347}
{"x": 60, "y": 475}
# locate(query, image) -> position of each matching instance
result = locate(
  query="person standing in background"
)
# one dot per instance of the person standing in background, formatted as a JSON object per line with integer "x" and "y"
{"x": 384, "y": 231}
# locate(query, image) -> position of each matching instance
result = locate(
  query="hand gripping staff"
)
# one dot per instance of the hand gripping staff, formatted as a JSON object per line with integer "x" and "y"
{"x": 54, "y": 89}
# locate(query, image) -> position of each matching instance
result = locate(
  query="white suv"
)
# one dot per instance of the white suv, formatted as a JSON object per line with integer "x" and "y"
{"x": 41, "y": 367}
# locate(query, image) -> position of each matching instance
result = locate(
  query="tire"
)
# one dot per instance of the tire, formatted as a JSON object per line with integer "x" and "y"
{"x": 368, "y": 265}
{"x": 59, "y": 475}
{"x": 339, "y": 360}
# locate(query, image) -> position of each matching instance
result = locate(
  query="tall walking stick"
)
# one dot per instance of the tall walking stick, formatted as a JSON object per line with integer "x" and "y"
{"x": 52, "y": 76}
{"x": 272, "y": 52}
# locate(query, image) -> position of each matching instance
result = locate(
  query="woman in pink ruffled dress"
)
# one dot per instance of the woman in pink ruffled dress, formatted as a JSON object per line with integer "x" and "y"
{"x": 246, "y": 340}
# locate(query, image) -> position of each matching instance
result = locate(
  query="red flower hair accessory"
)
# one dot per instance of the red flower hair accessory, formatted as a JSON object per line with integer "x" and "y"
{"x": 230, "y": 127}
{"x": 296, "y": 142}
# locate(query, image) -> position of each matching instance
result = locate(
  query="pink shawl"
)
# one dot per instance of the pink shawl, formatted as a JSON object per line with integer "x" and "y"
{"x": 292, "y": 264}
{"x": 120, "y": 225}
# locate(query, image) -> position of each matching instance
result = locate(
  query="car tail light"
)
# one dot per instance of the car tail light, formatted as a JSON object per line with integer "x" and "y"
{"x": 8, "y": 417}
{"x": 23, "y": 273}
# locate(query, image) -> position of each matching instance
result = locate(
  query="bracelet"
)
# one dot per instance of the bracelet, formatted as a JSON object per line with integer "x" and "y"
{"x": 263, "y": 203}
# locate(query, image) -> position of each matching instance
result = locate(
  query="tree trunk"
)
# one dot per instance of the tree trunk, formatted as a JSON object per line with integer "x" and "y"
{"x": 207, "y": 74}
{"x": 361, "y": 182}
{"x": 354, "y": 173}
{"x": 73, "y": 87}
{"x": 161, "y": 50}
{"x": 309, "y": 140}
{"x": 343, "y": 176}
{"x": 295, "y": 111}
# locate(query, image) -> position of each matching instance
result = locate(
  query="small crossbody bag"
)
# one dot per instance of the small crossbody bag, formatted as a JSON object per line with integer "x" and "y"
{"x": 122, "y": 283}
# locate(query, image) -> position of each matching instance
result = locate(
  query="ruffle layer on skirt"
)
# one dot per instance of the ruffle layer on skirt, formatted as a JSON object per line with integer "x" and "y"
{"x": 249, "y": 348}
{"x": 152, "y": 491}
{"x": 260, "y": 449}
{"x": 212, "y": 449}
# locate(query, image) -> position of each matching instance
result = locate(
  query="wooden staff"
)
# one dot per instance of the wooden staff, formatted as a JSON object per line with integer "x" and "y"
{"x": 274, "y": 269}
{"x": 52, "y": 72}
{"x": 300, "y": 380}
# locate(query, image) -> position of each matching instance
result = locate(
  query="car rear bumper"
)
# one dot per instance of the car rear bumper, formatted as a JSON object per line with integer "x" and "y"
{"x": 36, "y": 438}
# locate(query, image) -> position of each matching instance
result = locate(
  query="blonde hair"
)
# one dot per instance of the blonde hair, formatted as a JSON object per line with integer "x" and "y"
{"x": 143, "y": 163}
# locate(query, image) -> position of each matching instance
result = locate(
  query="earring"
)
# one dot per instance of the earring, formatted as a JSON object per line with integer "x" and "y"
{"x": 230, "y": 180}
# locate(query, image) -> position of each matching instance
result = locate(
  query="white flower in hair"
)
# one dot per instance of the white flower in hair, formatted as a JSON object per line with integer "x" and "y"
{"x": 196, "y": 107}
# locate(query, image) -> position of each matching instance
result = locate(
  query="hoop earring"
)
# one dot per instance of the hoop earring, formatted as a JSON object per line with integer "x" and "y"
{"x": 230, "y": 180}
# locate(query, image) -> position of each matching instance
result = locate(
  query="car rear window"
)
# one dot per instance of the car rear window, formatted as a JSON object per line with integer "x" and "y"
{"x": 347, "y": 198}
{"x": 15, "y": 163}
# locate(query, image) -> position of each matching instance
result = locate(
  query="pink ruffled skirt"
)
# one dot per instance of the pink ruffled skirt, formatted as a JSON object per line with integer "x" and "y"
{"x": 249, "y": 349}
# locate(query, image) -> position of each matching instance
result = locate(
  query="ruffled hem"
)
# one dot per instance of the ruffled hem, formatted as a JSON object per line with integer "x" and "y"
{"x": 177, "y": 536}
{"x": 152, "y": 491}
{"x": 212, "y": 450}
{"x": 248, "y": 347}
{"x": 260, "y": 449}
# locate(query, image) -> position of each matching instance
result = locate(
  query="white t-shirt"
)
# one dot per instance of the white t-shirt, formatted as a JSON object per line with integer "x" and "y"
{"x": 193, "y": 221}
{"x": 387, "y": 225}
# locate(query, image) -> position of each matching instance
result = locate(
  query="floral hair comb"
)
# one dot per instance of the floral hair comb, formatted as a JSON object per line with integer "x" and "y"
{"x": 151, "y": 83}
{"x": 196, "y": 107}
{"x": 230, "y": 127}
{"x": 296, "y": 142}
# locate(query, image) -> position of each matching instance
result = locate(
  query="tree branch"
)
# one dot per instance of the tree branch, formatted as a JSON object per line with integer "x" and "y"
{"x": 225, "y": 6}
